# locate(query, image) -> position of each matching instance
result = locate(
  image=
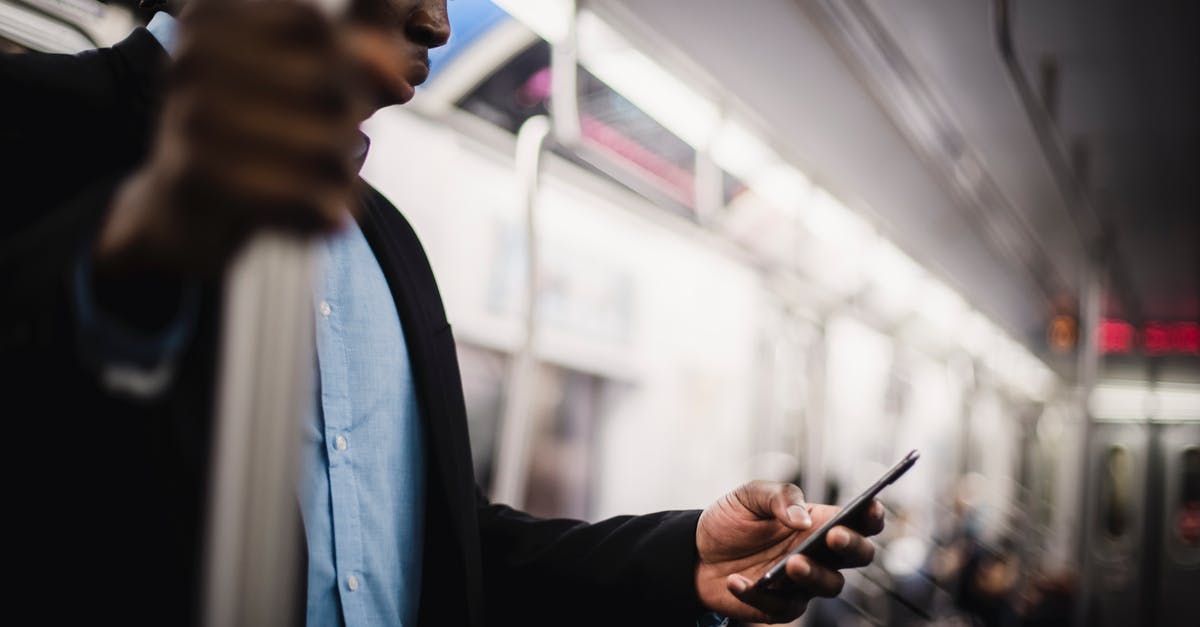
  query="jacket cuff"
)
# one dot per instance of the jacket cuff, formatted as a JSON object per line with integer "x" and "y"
{"x": 137, "y": 359}
{"x": 674, "y": 564}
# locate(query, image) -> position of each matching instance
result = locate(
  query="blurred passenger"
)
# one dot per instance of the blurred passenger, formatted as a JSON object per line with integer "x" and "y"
{"x": 906, "y": 556}
{"x": 1049, "y": 600}
{"x": 987, "y": 583}
{"x": 135, "y": 185}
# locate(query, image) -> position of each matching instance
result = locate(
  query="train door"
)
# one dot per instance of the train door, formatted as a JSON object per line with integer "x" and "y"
{"x": 1178, "y": 551}
{"x": 1142, "y": 531}
{"x": 1115, "y": 522}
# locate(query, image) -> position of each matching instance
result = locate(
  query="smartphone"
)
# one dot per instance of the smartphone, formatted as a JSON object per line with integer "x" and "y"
{"x": 814, "y": 545}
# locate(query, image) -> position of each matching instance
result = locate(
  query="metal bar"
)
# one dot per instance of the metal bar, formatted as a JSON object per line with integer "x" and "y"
{"x": 264, "y": 388}
{"x": 516, "y": 424}
{"x": 1087, "y": 372}
{"x": 564, "y": 84}
{"x": 265, "y": 367}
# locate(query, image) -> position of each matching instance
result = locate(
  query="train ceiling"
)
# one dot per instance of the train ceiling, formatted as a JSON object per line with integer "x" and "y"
{"x": 877, "y": 97}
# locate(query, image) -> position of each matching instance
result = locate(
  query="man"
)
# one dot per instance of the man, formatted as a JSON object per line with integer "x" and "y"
{"x": 132, "y": 187}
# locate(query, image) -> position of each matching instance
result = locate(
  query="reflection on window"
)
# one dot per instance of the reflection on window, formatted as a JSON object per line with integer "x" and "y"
{"x": 1188, "y": 524}
{"x": 731, "y": 188}
{"x": 483, "y": 374}
{"x": 516, "y": 92}
{"x": 565, "y": 412}
{"x": 619, "y": 141}
{"x": 1116, "y": 481}
{"x": 635, "y": 142}
{"x": 565, "y": 416}
{"x": 1190, "y": 492}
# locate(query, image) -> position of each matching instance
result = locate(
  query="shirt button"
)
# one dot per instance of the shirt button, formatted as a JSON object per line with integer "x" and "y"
{"x": 352, "y": 582}
{"x": 325, "y": 309}
{"x": 340, "y": 443}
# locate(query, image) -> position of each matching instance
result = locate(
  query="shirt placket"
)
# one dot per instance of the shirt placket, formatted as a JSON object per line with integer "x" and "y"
{"x": 337, "y": 408}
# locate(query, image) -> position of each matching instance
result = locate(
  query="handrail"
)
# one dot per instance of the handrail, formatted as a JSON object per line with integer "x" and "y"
{"x": 562, "y": 127}
{"x": 264, "y": 388}
{"x": 265, "y": 366}
{"x": 516, "y": 422}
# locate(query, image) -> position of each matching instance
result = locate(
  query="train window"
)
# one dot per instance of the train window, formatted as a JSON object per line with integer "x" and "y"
{"x": 620, "y": 141}
{"x": 1116, "y": 498}
{"x": 566, "y": 412}
{"x": 731, "y": 187}
{"x": 483, "y": 378}
{"x": 635, "y": 142}
{"x": 515, "y": 92}
{"x": 1190, "y": 491}
{"x": 1188, "y": 524}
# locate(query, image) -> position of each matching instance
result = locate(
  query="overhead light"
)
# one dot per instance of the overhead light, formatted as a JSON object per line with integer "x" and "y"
{"x": 1177, "y": 401}
{"x": 1120, "y": 401}
{"x": 894, "y": 277}
{"x": 828, "y": 219}
{"x": 740, "y": 152}
{"x": 978, "y": 335}
{"x": 1019, "y": 369}
{"x": 550, "y": 19}
{"x": 1031, "y": 377}
{"x": 782, "y": 185}
{"x": 650, "y": 87}
{"x": 941, "y": 306}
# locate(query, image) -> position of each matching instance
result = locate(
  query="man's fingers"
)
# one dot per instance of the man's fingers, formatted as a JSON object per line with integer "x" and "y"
{"x": 814, "y": 579}
{"x": 854, "y": 549}
{"x": 873, "y": 522}
{"x": 766, "y": 606}
{"x": 782, "y": 501}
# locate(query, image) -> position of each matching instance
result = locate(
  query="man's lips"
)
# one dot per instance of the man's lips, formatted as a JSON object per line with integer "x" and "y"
{"x": 419, "y": 71}
{"x": 393, "y": 65}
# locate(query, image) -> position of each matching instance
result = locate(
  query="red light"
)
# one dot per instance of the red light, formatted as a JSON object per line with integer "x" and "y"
{"x": 1184, "y": 337}
{"x": 1116, "y": 336}
{"x": 1156, "y": 339}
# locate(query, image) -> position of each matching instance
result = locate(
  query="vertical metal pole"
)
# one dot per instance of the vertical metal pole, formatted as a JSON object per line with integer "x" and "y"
{"x": 516, "y": 425}
{"x": 264, "y": 388}
{"x": 564, "y": 79}
{"x": 516, "y": 422}
{"x": 1087, "y": 370}
{"x": 265, "y": 366}
{"x": 817, "y": 417}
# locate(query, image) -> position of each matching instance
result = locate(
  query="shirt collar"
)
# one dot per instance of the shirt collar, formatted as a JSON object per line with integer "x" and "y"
{"x": 163, "y": 26}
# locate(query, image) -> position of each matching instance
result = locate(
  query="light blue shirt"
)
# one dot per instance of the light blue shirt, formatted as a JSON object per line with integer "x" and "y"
{"x": 362, "y": 494}
{"x": 362, "y": 491}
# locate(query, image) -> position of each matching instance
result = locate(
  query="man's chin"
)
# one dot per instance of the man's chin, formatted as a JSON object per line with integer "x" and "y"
{"x": 389, "y": 97}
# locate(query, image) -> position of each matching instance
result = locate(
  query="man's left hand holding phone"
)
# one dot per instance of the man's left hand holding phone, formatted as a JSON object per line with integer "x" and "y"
{"x": 749, "y": 529}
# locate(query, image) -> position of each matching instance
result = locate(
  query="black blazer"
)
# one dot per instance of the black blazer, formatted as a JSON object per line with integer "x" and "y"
{"x": 105, "y": 493}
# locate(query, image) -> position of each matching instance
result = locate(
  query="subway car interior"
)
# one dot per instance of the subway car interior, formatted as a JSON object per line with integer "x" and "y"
{"x": 685, "y": 244}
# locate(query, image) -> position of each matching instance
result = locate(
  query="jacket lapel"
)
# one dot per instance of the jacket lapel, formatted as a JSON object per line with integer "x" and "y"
{"x": 452, "y": 552}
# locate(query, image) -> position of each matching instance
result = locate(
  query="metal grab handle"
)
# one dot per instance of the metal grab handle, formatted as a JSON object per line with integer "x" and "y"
{"x": 516, "y": 423}
{"x": 265, "y": 371}
{"x": 264, "y": 388}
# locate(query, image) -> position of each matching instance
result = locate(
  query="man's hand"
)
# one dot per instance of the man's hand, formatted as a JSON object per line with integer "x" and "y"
{"x": 258, "y": 129}
{"x": 750, "y": 529}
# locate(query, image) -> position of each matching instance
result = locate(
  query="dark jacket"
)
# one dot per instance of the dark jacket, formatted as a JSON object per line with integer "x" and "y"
{"x": 105, "y": 493}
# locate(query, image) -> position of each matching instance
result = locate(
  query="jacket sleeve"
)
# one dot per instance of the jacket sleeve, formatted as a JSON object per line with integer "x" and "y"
{"x": 74, "y": 125}
{"x": 626, "y": 570}
{"x": 67, "y": 121}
